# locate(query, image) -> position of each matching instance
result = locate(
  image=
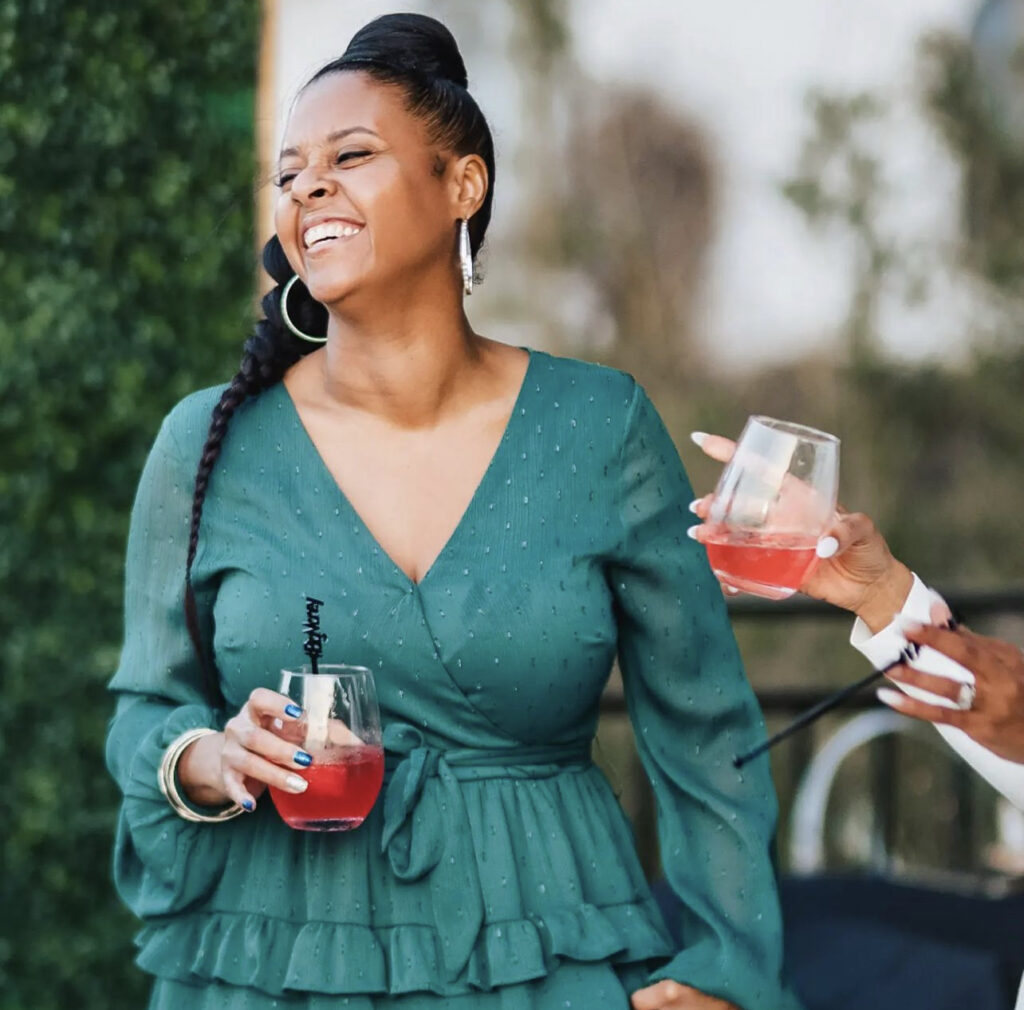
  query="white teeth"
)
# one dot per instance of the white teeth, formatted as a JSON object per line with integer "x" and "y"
{"x": 329, "y": 229}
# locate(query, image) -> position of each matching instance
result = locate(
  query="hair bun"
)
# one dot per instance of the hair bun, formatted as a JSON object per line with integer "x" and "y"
{"x": 409, "y": 43}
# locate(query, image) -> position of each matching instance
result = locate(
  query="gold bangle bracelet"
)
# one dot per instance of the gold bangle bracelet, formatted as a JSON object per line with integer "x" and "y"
{"x": 167, "y": 780}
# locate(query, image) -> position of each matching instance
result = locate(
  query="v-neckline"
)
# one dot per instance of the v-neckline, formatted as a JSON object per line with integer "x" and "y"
{"x": 415, "y": 584}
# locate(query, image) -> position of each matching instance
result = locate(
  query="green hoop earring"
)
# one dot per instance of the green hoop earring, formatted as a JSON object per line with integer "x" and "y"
{"x": 288, "y": 319}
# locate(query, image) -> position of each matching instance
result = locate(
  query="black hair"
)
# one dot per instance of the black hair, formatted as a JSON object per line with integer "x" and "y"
{"x": 419, "y": 56}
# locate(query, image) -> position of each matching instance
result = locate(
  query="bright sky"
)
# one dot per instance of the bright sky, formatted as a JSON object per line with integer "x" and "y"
{"x": 742, "y": 69}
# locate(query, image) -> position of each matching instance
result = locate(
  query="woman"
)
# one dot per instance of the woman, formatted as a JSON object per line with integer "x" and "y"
{"x": 487, "y": 526}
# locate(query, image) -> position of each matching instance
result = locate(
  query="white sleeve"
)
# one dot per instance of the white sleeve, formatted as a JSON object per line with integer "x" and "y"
{"x": 883, "y": 648}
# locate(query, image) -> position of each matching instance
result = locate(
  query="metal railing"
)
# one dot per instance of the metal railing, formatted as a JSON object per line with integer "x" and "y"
{"x": 786, "y": 701}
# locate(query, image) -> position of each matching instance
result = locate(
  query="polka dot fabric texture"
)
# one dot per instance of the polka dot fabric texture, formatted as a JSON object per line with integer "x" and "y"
{"x": 497, "y": 870}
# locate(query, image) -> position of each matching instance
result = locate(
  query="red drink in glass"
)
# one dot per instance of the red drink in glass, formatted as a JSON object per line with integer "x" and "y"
{"x": 772, "y": 565}
{"x": 340, "y": 794}
{"x": 339, "y": 727}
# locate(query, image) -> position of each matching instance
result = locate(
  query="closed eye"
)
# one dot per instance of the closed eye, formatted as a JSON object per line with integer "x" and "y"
{"x": 351, "y": 156}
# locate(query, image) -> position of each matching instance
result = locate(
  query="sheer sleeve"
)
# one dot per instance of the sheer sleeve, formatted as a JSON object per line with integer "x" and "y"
{"x": 692, "y": 711}
{"x": 162, "y": 863}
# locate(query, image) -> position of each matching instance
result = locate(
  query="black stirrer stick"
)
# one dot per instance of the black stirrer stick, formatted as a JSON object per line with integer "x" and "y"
{"x": 823, "y": 706}
{"x": 315, "y": 638}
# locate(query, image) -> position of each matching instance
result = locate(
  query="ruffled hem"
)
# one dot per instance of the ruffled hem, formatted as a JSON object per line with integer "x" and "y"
{"x": 277, "y": 957}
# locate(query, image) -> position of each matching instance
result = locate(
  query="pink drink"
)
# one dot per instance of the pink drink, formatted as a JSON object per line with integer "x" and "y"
{"x": 340, "y": 794}
{"x": 772, "y": 565}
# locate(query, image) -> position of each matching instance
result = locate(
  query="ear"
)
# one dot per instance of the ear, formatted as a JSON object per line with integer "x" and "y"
{"x": 469, "y": 184}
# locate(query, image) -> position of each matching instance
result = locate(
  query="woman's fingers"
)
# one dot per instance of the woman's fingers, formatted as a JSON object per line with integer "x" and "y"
{"x": 943, "y": 687}
{"x": 669, "y": 995}
{"x": 264, "y": 703}
{"x": 701, "y": 507}
{"x": 251, "y": 765}
{"x": 716, "y": 446}
{"x": 848, "y": 529}
{"x": 234, "y": 786}
{"x": 269, "y": 745}
{"x": 920, "y": 709}
{"x": 965, "y": 647}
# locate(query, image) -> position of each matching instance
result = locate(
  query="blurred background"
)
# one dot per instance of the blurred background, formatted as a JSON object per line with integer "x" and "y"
{"x": 814, "y": 211}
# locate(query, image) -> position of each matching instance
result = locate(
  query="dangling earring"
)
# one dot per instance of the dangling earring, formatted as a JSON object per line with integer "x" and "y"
{"x": 288, "y": 319}
{"x": 465, "y": 257}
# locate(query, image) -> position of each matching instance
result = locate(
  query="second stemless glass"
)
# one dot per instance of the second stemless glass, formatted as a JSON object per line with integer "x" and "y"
{"x": 340, "y": 728}
{"x": 774, "y": 500}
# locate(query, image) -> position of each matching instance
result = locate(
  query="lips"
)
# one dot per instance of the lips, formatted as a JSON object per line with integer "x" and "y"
{"x": 324, "y": 231}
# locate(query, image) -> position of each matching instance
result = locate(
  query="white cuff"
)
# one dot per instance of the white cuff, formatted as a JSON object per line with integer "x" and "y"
{"x": 886, "y": 646}
{"x": 883, "y": 648}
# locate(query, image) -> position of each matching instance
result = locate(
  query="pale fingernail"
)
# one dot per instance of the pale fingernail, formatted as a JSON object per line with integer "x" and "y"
{"x": 699, "y": 437}
{"x": 694, "y": 505}
{"x": 691, "y": 532}
{"x": 278, "y": 724}
{"x": 827, "y": 546}
{"x": 296, "y": 784}
{"x": 887, "y": 696}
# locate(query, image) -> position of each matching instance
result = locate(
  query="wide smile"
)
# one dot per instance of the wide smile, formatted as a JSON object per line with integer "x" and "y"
{"x": 325, "y": 234}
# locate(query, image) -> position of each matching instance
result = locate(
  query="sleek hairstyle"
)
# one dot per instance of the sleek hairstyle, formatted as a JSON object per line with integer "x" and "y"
{"x": 419, "y": 56}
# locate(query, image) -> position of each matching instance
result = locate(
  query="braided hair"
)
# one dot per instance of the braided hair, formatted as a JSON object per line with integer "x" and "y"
{"x": 419, "y": 56}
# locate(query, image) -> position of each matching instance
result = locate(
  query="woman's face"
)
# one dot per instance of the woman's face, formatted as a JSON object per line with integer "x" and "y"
{"x": 366, "y": 200}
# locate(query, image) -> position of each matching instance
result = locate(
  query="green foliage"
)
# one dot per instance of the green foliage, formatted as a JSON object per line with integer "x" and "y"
{"x": 126, "y": 173}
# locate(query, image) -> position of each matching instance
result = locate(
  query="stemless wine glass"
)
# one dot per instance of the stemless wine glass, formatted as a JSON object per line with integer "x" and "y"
{"x": 774, "y": 500}
{"x": 340, "y": 728}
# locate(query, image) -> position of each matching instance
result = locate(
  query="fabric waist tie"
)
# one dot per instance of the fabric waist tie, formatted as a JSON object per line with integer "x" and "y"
{"x": 426, "y": 826}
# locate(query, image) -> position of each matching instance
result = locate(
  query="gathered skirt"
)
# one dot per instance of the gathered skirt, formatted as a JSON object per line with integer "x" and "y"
{"x": 570, "y": 986}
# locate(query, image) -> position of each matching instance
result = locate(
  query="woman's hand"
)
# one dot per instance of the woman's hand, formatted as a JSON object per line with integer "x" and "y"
{"x": 670, "y": 995}
{"x": 995, "y": 718}
{"x": 259, "y": 747}
{"x": 855, "y": 569}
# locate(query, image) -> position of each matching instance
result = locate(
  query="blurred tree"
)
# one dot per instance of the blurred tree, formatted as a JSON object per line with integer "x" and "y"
{"x": 126, "y": 173}
{"x": 638, "y": 216}
{"x": 839, "y": 182}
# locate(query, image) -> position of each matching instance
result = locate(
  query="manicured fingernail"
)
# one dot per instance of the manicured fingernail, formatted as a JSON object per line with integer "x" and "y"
{"x": 691, "y": 532}
{"x": 693, "y": 505}
{"x": 295, "y": 784}
{"x": 302, "y": 758}
{"x": 698, "y": 437}
{"x": 887, "y": 696}
{"x": 293, "y": 710}
{"x": 278, "y": 723}
{"x": 249, "y": 805}
{"x": 827, "y": 546}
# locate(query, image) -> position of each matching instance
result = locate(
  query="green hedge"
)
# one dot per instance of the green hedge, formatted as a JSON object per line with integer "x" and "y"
{"x": 126, "y": 273}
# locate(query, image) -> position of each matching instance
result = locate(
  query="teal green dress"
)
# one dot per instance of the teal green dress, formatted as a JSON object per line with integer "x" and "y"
{"x": 497, "y": 869}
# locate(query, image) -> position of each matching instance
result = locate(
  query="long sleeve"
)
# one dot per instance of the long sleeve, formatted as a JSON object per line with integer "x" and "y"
{"x": 693, "y": 710}
{"x": 162, "y": 863}
{"x": 884, "y": 647}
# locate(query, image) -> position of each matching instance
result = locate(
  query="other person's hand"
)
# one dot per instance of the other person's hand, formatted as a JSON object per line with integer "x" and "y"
{"x": 995, "y": 718}
{"x": 260, "y": 746}
{"x": 670, "y": 995}
{"x": 855, "y": 568}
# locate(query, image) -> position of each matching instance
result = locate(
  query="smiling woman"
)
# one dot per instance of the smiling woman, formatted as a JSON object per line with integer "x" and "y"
{"x": 489, "y": 526}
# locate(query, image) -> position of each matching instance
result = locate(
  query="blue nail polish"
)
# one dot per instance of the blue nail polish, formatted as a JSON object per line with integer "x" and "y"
{"x": 293, "y": 710}
{"x": 302, "y": 758}
{"x": 249, "y": 805}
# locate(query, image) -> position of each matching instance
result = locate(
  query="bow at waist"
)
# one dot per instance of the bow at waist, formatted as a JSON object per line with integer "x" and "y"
{"x": 426, "y": 827}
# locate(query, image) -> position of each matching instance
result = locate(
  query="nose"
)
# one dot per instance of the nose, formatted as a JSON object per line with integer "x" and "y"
{"x": 311, "y": 185}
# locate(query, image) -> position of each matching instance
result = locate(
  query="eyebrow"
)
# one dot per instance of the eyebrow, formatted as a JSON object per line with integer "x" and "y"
{"x": 291, "y": 152}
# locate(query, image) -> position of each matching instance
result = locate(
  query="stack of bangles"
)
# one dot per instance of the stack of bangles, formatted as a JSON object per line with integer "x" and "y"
{"x": 168, "y": 779}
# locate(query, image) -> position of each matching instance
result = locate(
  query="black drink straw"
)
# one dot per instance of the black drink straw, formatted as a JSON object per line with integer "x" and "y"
{"x": 315, "y": 638}
{"x": 826, "y": 705}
